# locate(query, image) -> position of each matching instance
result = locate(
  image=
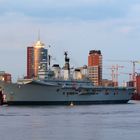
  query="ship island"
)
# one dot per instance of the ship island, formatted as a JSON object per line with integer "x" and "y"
{"x": 50, "y": 84}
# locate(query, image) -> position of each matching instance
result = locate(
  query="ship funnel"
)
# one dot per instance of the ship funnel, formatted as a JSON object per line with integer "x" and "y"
{"x": 77, "y": 74}
{"x": 56, "y": 70}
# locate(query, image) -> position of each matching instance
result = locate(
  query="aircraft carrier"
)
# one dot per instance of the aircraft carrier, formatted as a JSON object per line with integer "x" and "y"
{"x": 62, "y": 91}
{"x": 59, "y": 92}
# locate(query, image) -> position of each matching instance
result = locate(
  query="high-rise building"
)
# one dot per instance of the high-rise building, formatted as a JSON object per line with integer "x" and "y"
{"x": 37, "y": 57}
{"x": 138, "y": 84}
{"x": 136, "y": 95}
{"x": 95, "y": 67}
{"x": 30, "y": 62}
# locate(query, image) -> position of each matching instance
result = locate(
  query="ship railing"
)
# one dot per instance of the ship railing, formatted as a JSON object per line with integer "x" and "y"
{"x": 77, "y": 86}
{"x": 46, "y": 83}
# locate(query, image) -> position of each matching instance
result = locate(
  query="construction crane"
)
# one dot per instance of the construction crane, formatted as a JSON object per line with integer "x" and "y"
{"x": 114, "y": 73}
{"x": 117, "y": 69}
{"x": 133, "y": 68}
{"x": 130, "y": 75}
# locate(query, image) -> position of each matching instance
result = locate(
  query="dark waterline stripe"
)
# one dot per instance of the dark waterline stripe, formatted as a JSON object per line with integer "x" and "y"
{"x": 66, "y": 102}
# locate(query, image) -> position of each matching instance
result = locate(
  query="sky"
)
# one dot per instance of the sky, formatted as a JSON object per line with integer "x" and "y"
{"x": 76, "y": 26}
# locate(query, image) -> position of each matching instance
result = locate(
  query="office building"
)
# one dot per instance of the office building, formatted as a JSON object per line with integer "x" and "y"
{"x": 95, "y": 67}
{"x": 37, "y": 57}
{"x": 30, "y": 62}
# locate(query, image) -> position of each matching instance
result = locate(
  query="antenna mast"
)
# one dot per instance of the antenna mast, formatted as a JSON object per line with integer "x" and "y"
{"x": 39, "y": 34}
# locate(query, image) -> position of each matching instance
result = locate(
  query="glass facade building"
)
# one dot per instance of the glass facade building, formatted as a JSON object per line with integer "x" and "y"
{"x": 37, "y": 59}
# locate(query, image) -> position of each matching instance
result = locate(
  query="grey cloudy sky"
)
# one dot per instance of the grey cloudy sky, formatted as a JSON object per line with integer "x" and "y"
{"x": 76, "y": 26}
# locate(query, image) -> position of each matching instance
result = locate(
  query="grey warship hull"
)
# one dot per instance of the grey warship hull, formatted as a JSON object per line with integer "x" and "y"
{"x": 63, "y": 93}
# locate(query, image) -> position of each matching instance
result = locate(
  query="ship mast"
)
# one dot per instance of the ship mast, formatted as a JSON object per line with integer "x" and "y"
{"x": 49, "y": 57}
{"x": 66, "y": 67}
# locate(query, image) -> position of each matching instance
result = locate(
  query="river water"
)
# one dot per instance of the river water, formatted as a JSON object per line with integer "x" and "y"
{"x": 93, "y": 122}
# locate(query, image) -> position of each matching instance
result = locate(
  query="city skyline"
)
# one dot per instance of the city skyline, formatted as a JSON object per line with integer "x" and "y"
{"x": 76, "y": 26}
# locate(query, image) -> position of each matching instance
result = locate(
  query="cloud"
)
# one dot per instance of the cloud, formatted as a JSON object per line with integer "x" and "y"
{"x": 134, "y": 11}
{"x": 76, "y": 26}
{"x": 126, "y": 29}
{"x": 81, "y": 9}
